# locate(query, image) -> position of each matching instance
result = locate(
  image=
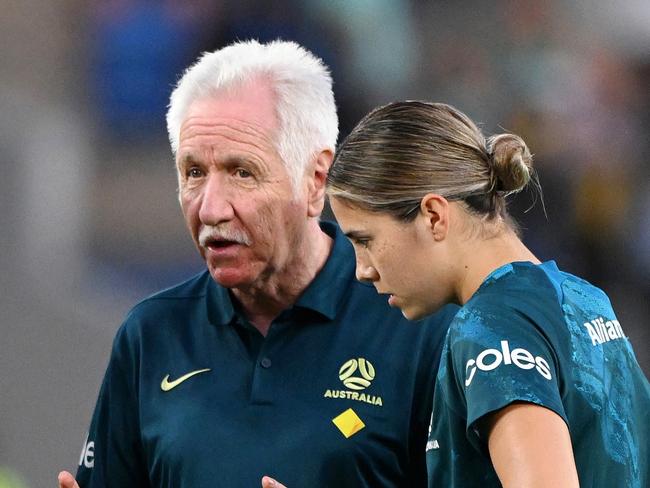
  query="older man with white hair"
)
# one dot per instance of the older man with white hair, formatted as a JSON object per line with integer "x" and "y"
{"x": 275, "y": 360}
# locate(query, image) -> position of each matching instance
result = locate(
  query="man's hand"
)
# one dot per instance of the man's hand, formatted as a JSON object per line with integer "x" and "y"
{"x": 66, "y": 480}
{"x": 266, "y": 483}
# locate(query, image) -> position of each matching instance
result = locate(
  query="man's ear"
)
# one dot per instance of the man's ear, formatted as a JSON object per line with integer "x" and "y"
{"x": 435, "y": 209}
{"x": 316, "y": 182}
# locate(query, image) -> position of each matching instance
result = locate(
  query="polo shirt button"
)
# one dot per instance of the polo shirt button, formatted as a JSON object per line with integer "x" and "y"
{"x": 266, "y": 363}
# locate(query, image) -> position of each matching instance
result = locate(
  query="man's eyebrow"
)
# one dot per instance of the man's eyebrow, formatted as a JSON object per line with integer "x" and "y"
{"x": 233, "y": 160}
{"x": 188, "y": 158}
{"x": 236, "y": 160}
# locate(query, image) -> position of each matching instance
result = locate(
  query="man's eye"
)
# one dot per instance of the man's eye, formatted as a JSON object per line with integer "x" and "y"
{"x": 242, "y": 173}
{"x": 194, "y": 172}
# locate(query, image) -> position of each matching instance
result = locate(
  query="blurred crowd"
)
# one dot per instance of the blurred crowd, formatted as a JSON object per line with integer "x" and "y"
{"x": 88, "y": 188}
{"x": 545, "y": 70}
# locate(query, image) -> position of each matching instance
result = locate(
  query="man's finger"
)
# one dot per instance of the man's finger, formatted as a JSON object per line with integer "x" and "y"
{"x": 268, "y": 482}
{"x": 66, "y": 480}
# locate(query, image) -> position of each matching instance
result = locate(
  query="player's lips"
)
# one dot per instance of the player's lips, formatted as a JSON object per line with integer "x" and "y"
{"x": 391, "y": 297}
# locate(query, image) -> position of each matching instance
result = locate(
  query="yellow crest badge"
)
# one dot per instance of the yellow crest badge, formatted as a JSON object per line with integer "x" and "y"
{"x": 356, "y": 375}
{"x": 365, "y": 373}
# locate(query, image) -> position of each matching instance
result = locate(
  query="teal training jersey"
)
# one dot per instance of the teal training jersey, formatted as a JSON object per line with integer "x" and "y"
{"x": 338, "y": 394}
{"x": 532, "y": 333}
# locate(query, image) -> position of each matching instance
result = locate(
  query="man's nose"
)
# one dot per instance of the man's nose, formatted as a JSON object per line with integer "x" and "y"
{"x": 216, "y": 205}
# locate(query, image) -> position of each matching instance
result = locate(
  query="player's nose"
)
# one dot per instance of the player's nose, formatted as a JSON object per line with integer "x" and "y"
{"x": 365, "y": 271}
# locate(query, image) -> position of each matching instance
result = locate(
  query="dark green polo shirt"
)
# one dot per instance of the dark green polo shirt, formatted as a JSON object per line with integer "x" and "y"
{"x": 338, "y": 394}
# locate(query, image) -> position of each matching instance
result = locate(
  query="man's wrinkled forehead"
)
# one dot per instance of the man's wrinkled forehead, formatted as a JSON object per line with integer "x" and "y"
{"x": 246, "y": 112}
{"x": 252, "y": 102}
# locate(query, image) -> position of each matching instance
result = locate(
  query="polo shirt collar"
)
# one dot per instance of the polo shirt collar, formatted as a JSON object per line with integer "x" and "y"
{"x": 329, "y": 289}
{"x": 221, "y": 310}
{"x": 325, "y": 294}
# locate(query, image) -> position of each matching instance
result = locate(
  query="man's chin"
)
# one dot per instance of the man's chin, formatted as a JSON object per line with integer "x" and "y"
{"x": 230, "y": 278}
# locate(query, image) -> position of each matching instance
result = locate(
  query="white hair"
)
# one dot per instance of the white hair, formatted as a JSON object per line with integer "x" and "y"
{"x": 302, "y": 83}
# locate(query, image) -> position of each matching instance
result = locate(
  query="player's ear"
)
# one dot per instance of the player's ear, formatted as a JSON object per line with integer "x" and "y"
{"x": 435, "y": 210}
{"x": 317, "y": 177}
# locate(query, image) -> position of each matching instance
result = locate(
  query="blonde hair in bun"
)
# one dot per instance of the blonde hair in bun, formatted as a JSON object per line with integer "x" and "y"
{"x": 511, "y": 163}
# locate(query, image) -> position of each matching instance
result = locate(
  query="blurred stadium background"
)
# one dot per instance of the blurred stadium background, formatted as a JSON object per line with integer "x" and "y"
{"x": 90, "y": 221}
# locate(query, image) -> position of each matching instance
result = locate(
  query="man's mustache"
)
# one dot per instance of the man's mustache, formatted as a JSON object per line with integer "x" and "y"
{"x": 222, "y": 233}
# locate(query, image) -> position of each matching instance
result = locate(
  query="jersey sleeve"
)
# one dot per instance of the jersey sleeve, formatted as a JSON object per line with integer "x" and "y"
{"x": 500, "y": 356}
{"x": 112, "y": 454}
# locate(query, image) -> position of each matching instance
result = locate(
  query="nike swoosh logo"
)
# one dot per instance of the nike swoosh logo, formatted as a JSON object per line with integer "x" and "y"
{"x": 167, "y": 385}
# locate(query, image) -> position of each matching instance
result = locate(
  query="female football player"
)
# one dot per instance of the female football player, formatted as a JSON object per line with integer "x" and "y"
{"x": 538, "y": 384}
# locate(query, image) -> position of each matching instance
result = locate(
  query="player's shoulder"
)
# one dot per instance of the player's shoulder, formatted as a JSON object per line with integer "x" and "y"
{"x": 547, "y": 280}
{"x": 578, "y": 290}
{"x": 521, "y": 298}
{"x": 546, "y": 292}
{"x": 525, "y": 280}
{"x": 520, "y": 286}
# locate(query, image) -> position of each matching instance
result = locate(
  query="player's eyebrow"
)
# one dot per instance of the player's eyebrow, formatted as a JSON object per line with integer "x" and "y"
{"x": 355, "y": 234}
